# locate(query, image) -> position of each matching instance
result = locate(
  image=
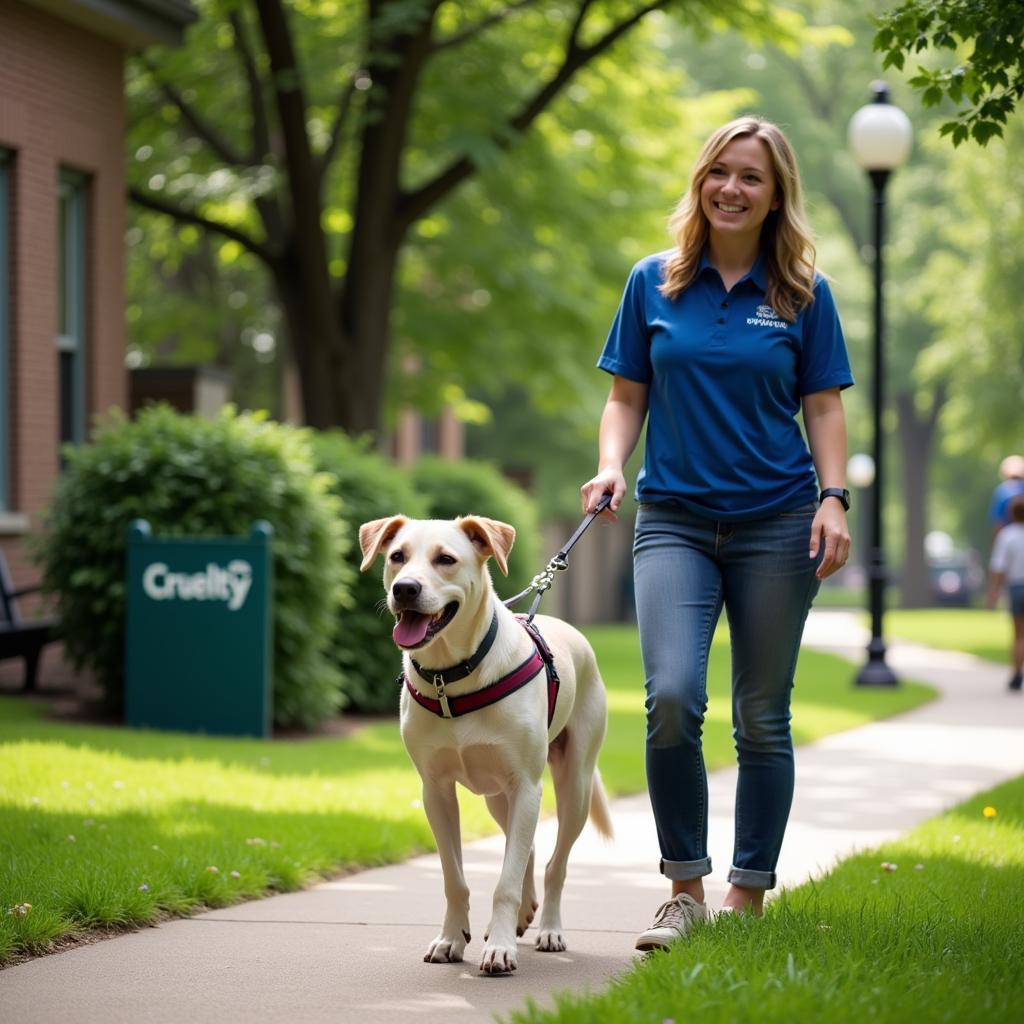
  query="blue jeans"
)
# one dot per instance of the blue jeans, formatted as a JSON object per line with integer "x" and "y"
{"x": 685, "y": 568}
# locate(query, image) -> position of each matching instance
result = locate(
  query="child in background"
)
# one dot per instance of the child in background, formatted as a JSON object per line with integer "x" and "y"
{"x": 1007, "y": 567}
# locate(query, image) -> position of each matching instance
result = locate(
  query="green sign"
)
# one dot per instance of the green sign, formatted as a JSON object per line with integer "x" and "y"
{"x": 198, "y": 632}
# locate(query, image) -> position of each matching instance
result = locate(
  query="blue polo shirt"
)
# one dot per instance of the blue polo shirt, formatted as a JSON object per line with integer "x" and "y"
{"x": 726, "y": 376}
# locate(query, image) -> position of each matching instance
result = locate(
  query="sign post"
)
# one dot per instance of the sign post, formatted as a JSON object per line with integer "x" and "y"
{"x": 198, "y": 636}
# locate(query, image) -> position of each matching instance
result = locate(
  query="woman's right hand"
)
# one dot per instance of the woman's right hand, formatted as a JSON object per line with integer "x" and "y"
{"x": 608, "y": 481}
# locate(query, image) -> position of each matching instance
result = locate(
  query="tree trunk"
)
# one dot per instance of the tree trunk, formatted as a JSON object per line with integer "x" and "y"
{"x": 315, "y": 342}
{"x": 917, "y": 437}
{"x": 365, "y": 300}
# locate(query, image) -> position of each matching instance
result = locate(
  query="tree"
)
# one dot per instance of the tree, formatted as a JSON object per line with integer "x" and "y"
{"x": 317, "y": 137}
{"x": 990, "y": 80}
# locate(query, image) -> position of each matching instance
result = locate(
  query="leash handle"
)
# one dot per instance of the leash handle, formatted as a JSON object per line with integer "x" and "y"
{"x": 606, "y": 500}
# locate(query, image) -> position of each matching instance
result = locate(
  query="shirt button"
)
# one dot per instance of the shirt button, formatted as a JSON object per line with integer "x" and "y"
{"x": 725, "y": 305}
{"x": 721, "y": 319}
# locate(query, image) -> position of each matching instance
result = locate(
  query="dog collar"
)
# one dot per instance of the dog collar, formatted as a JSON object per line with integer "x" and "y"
{"x": 452, "y": 707}
{"x": 457, "y": 672}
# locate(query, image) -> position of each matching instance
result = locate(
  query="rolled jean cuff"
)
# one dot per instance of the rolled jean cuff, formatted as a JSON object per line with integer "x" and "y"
{"x": 685, "y": 870}
{"x": 748, "y": 879}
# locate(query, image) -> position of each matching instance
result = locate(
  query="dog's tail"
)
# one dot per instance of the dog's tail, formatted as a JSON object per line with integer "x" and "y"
{"x": 600, "y": 812}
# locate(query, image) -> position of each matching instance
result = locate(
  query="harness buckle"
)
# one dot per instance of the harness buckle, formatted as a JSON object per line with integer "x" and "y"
{"x": 442, "y": 696}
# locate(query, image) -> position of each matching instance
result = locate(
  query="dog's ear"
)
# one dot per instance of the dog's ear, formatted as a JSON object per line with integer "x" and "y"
{"x": 489, "y": 537}
{"x": 373, "y": 536}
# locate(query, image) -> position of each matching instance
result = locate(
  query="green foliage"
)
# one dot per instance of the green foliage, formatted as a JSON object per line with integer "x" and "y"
{"x": 370, "y": 487}
{"x": 990, "y": 80}
{"x": 530, "y": 253}
{"x": 194, "y": 477}
{"x": 478, "y": 488}
{"x": 979, "y": 347}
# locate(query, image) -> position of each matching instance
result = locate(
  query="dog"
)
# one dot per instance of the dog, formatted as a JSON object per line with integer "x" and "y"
{"x": 449, "y": 618}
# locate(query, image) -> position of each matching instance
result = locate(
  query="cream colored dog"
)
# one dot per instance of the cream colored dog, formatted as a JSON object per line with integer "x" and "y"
{"x": 439, "y": 589}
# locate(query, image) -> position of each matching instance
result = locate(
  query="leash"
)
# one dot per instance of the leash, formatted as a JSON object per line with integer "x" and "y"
{"x": 559, "y": 563}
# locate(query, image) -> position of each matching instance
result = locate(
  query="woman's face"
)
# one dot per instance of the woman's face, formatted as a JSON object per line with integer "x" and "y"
{"x": 739, "y": 190}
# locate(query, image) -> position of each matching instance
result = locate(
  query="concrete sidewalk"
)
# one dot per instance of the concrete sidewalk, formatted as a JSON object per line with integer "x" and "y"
{"x": 351, "y": 950}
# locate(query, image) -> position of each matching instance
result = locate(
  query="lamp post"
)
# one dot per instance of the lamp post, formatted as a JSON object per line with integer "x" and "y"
{"x": 879, "y": 135}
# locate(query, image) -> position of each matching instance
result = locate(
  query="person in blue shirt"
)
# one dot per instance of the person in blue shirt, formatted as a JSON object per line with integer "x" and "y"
{"x": 1011, "y": 469}
{"x": 718, "y": 344}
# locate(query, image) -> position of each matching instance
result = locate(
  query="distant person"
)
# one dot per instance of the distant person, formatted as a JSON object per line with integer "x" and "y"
{"x": 1007, "y": 568}
{"x": 1011, "y": 469}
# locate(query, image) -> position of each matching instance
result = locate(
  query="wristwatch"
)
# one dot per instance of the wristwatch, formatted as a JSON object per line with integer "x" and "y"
{"x": 836, "y": 492}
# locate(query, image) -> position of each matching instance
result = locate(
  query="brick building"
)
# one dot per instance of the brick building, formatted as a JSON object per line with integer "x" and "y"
{"x": 62, "y": 215}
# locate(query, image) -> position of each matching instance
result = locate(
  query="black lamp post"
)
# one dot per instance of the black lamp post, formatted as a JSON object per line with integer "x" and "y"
{"x": 879, "y": 136}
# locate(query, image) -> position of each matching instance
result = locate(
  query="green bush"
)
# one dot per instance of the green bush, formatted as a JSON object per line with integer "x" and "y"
{"x": 193, "y": 477}
{"x": 478, "y": 488}
{"x": 370, "y": 487}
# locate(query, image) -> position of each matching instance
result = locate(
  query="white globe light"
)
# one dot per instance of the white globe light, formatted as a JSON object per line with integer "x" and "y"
{"x": 880, "y": 134}
{"x": 861, "y": 470}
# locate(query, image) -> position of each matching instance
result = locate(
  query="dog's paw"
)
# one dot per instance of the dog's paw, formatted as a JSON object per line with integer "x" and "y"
{"x": 444, "y": 950}
{"x": 526, "y": 912}
{"x": 551, "y": 940}
{"x": 497, "y": 959}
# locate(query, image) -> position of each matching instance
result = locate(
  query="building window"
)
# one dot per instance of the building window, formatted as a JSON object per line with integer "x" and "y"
{"x": 5, "y": 320}
{"x": 71, "y": 290}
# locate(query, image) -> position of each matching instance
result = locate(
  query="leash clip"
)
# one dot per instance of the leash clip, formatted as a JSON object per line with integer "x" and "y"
{"x": 441, "y": 695}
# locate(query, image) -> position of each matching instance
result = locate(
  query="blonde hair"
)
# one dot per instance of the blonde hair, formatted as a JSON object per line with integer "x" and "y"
{"x": 785, "y": 235}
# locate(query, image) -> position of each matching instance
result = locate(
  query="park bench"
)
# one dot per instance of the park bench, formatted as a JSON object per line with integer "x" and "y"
{"x": 20, "y": 639}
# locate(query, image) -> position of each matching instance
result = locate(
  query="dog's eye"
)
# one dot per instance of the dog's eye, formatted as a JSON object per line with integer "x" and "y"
{"x": 397, "y": 557}
{"x": 445, "y": 560}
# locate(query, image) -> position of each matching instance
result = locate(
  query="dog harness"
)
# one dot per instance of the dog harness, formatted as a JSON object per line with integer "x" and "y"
{"x": 452, "y": 707}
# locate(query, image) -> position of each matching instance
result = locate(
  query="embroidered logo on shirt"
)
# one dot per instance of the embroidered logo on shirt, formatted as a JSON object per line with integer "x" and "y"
{"x": 766, "y": 317}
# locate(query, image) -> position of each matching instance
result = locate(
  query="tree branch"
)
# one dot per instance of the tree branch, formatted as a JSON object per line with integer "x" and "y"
{"x": 260, "y": 124}
{"x": 481, "y": 26}
{"x": 337, "y": 129}
{"x": 414, "y": 204}
{"x": 220, "y": 145}
{"x": 182, "y": 216}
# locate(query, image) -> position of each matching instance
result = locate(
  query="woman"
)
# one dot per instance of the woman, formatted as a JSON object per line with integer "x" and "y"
{"x": 718, "y": 343}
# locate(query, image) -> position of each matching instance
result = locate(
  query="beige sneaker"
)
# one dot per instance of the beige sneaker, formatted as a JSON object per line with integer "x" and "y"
{"x": 673, "y": 921}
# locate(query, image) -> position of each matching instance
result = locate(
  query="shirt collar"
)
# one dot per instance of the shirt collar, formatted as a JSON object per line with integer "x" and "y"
{"x": 757, "y": 273}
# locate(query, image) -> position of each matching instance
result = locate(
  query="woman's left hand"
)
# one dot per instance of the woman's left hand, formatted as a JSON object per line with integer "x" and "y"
{"x": 829, "y": 529}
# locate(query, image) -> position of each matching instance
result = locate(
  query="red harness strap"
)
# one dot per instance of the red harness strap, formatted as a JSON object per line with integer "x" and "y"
{"x": 452, "y": 707}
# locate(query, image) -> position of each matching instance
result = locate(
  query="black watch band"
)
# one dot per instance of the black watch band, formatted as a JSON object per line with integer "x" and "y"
{"x": 836, "y": 492}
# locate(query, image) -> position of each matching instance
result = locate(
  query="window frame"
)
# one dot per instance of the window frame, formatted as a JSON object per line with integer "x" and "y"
{"x": 6, "y": 159}
{"x": 72, "y": 283}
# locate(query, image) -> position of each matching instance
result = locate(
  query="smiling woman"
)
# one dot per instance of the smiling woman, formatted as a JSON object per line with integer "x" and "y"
{"x": 719, "y": 343}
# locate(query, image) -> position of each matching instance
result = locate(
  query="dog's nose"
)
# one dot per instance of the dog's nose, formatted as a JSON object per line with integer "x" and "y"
{"x": 405, "y": 590}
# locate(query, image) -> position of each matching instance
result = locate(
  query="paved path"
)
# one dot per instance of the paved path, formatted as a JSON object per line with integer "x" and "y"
{"x": 351, "y": 950}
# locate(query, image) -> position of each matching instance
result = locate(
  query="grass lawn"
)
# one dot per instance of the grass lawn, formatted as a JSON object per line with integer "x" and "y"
{"x": 939, "y": 938}
{"x": 978, "y": 631}
{"x": 110, "y": 827}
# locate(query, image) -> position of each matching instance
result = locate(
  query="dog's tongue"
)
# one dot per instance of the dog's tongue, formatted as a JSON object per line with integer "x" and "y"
{"x": 410, "y": 629}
